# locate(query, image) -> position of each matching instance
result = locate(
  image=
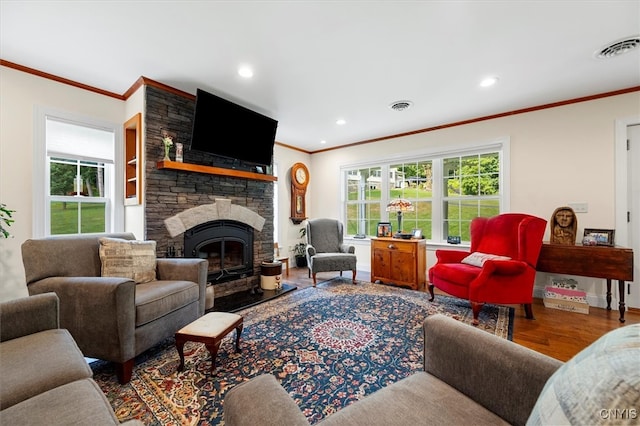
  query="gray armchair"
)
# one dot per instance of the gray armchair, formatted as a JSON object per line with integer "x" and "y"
{"x": 326, "y": 250}
{"x": 113, "y": 318}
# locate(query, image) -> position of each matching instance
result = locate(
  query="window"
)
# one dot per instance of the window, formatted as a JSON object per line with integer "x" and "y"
{"x": 78, "y": 178}
{"x": 447, "y": 190}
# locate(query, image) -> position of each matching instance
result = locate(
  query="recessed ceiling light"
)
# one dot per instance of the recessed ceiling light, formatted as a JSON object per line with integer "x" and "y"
{"x": 323, "y": 141}
{"x": 489, "y": 81}
{"x": 245, "y": 71}
{"x": 400, "y": 105}
{"x": 341, "y": 122}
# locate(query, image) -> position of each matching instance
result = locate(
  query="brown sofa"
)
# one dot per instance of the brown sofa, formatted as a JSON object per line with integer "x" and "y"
{"x": 44, "y": 379}
{"x": 113, "y": 318}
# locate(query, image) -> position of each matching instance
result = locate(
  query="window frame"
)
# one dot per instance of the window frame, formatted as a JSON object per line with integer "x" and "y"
{"x": 501, "y": 146}
{"x": 114, "y": 221}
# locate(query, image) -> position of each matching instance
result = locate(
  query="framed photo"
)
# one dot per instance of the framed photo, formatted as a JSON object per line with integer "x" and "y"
{"x": 384, "y": 229}
{"x": 601, "y": 237}
{"x": 417, "y": 233}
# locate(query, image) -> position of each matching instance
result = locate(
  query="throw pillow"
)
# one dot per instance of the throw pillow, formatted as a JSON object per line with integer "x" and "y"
{"x": 128, "y": 258}
{"x": 477, "y": 258}
{"x": 600, "y": 385}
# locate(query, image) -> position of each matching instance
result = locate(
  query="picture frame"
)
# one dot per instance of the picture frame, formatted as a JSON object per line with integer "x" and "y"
{"x": 602, "y": 237}
{"x": 385, "y": 229}
{"x": 417, "y": 233}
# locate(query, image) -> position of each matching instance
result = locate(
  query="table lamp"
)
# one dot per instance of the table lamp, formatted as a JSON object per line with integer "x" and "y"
{"x": 400, "y": 205}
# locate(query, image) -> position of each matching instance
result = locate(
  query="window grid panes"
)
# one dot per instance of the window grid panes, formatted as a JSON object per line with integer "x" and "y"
{"x": 461, "y": 187}
{"x": 76, "y": 196}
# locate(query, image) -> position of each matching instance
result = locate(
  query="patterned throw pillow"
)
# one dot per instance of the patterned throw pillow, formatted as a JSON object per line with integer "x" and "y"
{"x": 600, "y": 385}
{"x": 478, "y": 259}
{"x": 128, "y": 258}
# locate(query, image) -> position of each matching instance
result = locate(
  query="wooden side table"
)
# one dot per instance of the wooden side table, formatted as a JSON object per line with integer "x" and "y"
{"x": 610, "y": 263}
{"x": 209, "y": 329}
{"x": 398, "y": 261}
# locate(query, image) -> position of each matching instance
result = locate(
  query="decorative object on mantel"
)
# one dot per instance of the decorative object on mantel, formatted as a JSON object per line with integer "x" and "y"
{"x": 598, "y": 237}
{"x": 563, "y": 226}
{"x": 167, "y": 141}
{"x": 400, "y": 205}
{"x": 179, "y": 152}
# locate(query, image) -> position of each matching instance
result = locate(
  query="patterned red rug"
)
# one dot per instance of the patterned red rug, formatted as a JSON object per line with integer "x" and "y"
{"x": 329, "y": 346}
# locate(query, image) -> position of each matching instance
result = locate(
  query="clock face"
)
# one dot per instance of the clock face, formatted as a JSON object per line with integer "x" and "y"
{"x": 301, "y": 176}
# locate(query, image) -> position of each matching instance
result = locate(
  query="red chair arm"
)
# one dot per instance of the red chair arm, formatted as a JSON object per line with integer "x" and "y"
{"x": 450, "y": 256}
{"x": 504, "y": 267}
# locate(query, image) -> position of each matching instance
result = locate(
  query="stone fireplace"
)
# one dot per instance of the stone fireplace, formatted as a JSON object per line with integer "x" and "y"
{"x": 177, "y": 201}
{"x": 222, "y": 233}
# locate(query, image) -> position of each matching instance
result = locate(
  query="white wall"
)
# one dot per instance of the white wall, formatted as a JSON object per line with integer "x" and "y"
{"x": 288, "y": 233}
{"x": 20, "y": 93}
{"x": 558, "y": 156}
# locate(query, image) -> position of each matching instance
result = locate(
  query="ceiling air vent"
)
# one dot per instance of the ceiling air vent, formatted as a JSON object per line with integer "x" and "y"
{"x": 619, "y": 47}
{"x": 400, "y": 105}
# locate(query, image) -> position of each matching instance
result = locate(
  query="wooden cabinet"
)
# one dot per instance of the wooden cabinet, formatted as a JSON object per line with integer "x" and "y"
{"x": 133, "y": 160}
{"x": 400, "y": 262}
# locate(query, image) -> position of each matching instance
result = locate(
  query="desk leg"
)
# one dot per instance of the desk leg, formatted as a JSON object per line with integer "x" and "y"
{"x": 621, "y": 305}
{"x": 608, "y": 294}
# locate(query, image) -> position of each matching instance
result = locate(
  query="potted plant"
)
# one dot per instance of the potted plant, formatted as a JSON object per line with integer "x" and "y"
{"x": 300, "y": 250}
{"x": 5, "y": 220}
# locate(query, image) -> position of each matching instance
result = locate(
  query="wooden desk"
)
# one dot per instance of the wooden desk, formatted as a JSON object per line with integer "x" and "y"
{"x": 611, "y": 263}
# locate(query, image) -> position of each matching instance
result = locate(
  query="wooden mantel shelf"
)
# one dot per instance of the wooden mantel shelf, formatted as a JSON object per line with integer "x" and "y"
{"x": 186, "y": 167}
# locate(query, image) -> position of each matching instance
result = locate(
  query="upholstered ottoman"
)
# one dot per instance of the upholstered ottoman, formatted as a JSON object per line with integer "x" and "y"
{"x": 209, "y": 329}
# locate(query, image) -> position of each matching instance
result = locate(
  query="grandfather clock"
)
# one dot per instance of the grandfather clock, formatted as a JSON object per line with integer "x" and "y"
{"x": 299, "y": 182}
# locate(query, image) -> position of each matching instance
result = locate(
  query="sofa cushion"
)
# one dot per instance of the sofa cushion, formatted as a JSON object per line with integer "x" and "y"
{"x": 600, "y": 385}
{"x": 38, "y": 362}
{"x": 128, "y": 258}
{"x": 417, "y": 399}
{"x": 77, "y": 403}
{"x": 156, "y": 299}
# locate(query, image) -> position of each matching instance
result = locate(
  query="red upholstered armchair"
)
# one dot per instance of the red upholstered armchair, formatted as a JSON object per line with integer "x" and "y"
{"x": 500, "y": 267}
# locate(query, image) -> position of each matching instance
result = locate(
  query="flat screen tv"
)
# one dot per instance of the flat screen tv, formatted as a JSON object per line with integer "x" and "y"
{"x": 229, "y": 130}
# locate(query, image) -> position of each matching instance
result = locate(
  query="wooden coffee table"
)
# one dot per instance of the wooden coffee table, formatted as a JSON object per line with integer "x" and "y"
{"x": 209, "y": 329}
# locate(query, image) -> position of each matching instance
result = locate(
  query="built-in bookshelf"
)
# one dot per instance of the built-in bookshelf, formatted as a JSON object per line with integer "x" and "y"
{"x": 133, "y": 160}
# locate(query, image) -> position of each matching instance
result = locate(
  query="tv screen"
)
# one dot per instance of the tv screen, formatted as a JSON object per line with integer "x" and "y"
{"x": 226, "y": 129}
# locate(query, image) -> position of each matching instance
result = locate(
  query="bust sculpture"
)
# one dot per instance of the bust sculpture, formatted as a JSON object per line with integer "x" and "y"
{"x": 564, "y": 225}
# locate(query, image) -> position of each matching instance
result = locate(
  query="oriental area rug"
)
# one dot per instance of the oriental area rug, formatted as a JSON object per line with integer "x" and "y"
{"x": 328, "y": 346}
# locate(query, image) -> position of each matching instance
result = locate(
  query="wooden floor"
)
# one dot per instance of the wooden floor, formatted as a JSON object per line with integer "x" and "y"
{"x": 556, "y": 333}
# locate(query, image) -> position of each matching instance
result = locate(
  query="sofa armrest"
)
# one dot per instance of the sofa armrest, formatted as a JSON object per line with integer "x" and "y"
{"x": 185, "y": 269}
{"x": 99, "y": 312}
{"x": 28, "y": 315}
{"x": 502, "y": 376}
{"x": 261, "y": 401}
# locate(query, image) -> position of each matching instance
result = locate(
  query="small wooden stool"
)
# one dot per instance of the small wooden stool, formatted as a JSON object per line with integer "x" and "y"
{"x": 209, "y": 329}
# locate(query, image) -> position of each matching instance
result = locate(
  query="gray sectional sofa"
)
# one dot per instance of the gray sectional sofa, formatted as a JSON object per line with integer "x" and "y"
{"x": 472, "y": 377}
{"x": 44, "y": 378}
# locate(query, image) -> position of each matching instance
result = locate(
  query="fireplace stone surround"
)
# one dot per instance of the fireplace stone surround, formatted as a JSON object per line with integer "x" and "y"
{"x": 168, "y": 193}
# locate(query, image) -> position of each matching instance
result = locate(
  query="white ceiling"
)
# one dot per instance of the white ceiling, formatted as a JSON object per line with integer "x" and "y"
{"x": 317, "y": 61}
